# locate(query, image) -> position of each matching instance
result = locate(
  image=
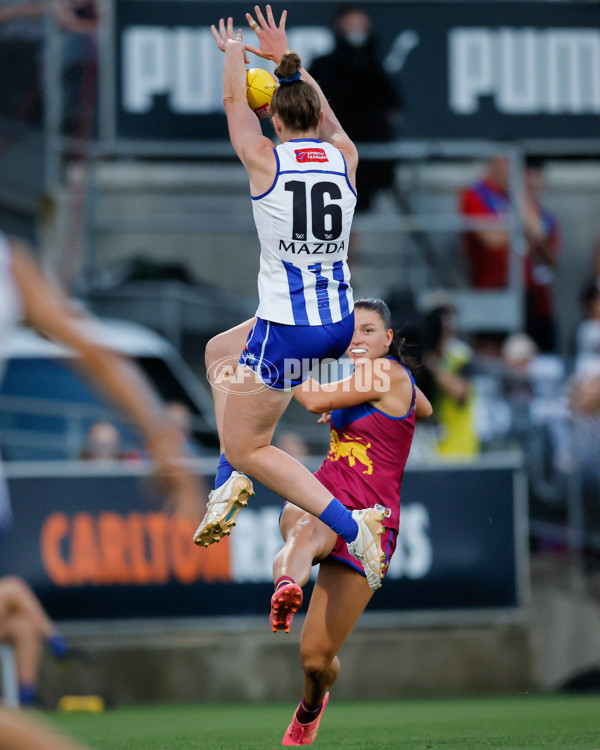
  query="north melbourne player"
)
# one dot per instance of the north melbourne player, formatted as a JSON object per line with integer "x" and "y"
{"x": 303, "y": 194}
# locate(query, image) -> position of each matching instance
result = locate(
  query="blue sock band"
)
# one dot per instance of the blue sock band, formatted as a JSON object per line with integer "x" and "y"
{"x": 58, "y": 644}
{"x": 340, "y": 520}
{"x": 27, "y": 695}
{"x": 224, "y": 471}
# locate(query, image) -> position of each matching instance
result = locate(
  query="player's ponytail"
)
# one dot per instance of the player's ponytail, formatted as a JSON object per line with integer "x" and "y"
{"x": 289, "y": 66}
{"x": 398, "y": 346}
{"x": 295, "y": 101}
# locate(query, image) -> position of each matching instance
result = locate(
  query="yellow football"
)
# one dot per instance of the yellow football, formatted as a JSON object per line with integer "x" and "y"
{"x": 260, "y": 86}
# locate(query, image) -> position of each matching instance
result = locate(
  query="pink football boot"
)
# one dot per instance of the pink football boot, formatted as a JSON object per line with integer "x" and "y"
{"x": 303, "y": 734}
{"x": 285, "y": 602}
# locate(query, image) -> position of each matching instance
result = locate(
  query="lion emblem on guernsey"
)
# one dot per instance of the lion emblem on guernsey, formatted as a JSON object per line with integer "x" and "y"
{"x": 353, "y": 450}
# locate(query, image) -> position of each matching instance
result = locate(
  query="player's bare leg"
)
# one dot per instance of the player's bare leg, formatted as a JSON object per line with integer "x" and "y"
{"x": 251, "y": 415}
{"x": 17, "y": 597}
{"x": 307, "y": 540}
{"x": 222, "y": 355}
{"x": 250, "y": 419}
{"x": 232, "y": 489}
{"x": 19, "y": 630}
{"x": 339, "y": 598}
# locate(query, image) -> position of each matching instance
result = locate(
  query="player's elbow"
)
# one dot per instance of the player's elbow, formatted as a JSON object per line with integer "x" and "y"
{"x": 424, "y": 411}
{"x": 318, "y": 405}
{"x": 314, "y": 408}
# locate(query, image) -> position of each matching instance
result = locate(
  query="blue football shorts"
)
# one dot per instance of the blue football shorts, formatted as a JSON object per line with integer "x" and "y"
{"x": 283, "y": 355}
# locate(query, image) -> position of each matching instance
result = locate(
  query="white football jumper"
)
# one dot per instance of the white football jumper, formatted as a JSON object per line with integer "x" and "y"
{"x": 303, "y": 223}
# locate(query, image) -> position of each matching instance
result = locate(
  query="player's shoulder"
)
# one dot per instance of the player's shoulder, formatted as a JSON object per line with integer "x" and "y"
{"x": 398, "y": 373}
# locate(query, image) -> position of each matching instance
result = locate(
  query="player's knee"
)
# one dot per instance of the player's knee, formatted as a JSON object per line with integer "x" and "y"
{"x": 216, "y": 350}
{"x": 19, "y": 628}
{"x": 12, "y": 586}
{"x": 237, "y": 453}
{"x": 316, "y": 661}
{"x": 241, "y": 451}
{"x": 304, "y": 532}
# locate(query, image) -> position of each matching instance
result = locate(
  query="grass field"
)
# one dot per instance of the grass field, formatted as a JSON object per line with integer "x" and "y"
{"x": 513, "y": 723}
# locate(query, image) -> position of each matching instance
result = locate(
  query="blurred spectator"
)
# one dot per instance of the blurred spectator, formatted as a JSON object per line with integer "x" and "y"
{"x": 292, "y": 443}
{"x": 544, "y": 243}
{"x": 518, "y": 354}
{"x": 179, "y": 416}
{"x": 585, "y": 397}
{"x": 597, "y": 260}
{"x": 585, "y": 446}
{"x": 587, "y": 336}
{"x": 487, "y": 250}
{"x": 361, "y": 93}
{"x": 102, "y": 443}
{"x": 21, "y": 37}
{"x": 448, "y": 362}
{"x": 22, "y": 31}
{"x": 26, "y": 626}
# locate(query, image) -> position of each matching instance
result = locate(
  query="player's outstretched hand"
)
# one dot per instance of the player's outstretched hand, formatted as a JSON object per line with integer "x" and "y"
{"x": 272, "y": 38}
{"x": 224, "y": 35}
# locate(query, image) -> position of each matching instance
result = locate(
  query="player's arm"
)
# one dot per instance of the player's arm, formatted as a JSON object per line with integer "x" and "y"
{"x": 273, "y": 45}
{"x": 47, "y": 312}
{"x": 254, "y": 150}
{"x": 331, "y": 129}
{"x": 423, "y": 408}
{"x": 370, "y": 381}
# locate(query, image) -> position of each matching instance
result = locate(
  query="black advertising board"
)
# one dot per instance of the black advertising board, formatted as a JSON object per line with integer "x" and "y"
{"x": 91, "y": 547}
{"x": 483, "y": 70}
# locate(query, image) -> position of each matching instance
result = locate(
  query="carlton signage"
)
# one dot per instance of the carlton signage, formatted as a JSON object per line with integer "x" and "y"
{"x": 92, "y": 547}
{"x": 468, "y": 70}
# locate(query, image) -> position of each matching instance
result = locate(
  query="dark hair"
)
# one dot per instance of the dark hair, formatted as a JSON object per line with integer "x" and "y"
{"x": 534, "y": 162}
{"x": 590, "y": 293}
{"x": 398, "y": 345}
{"x": 297, "y": 102}
{"x": 434, "y": 325}
{"x": 346, "y": 8}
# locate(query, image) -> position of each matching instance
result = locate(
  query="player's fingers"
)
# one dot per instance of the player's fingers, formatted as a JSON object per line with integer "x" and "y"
{"x": 239, "y": 35}
{"x": 254, "y": 50}
{"x": 230, "y": 27}
{"x": 283, "y": 20}
{"x": 259, "y": 16}
{"x": 222, "y": 29}
{"x": 215, "y": 33}
{"x": 270, "y": 17}
{"x": 252, "y": 23}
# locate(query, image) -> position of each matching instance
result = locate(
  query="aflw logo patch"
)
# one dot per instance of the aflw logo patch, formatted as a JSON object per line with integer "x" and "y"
{"x": 310, "y": 154}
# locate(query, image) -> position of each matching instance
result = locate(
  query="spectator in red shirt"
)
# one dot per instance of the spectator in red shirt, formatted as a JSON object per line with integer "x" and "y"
{"x": 487, "y": 250}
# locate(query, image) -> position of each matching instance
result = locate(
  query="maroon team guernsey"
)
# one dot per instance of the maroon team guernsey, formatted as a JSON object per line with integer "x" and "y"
{"x": 368, "y": 451}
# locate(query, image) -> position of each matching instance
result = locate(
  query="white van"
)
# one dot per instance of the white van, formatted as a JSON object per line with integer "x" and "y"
{"x": 46, "y": 408}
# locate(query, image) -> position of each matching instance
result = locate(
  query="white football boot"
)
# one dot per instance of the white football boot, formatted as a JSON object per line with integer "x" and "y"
{"x": 366, "y": 548}
{"x": 224, "y": 503}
